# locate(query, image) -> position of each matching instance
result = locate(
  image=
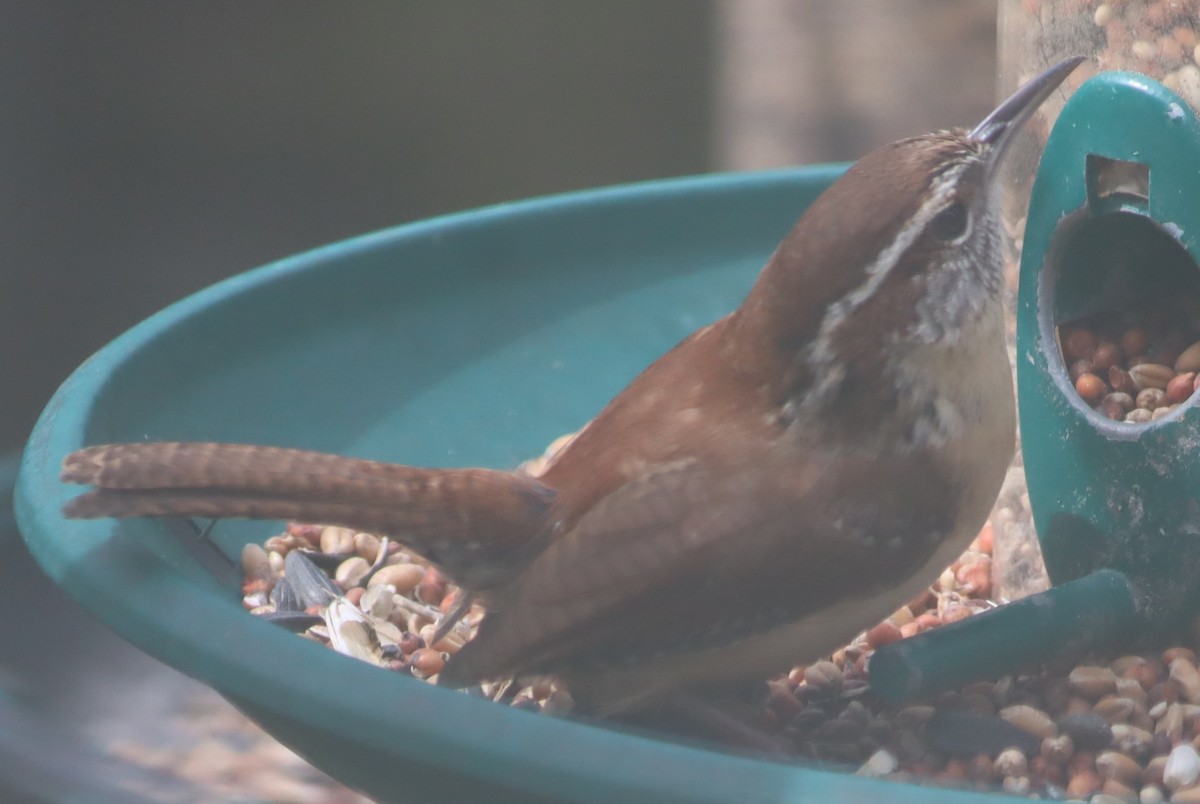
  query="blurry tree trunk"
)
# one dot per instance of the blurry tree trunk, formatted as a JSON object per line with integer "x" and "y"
{"x": 815, "y": 80}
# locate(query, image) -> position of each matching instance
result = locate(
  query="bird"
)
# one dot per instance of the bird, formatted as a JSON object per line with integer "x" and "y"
{"x": 780, "y": 480}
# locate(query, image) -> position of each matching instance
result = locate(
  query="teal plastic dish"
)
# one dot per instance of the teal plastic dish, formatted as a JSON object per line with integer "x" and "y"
{"x": 473, "y": 339}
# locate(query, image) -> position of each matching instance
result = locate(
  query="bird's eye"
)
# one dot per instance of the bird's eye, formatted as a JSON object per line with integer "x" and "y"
{"x": 951, "y": 222}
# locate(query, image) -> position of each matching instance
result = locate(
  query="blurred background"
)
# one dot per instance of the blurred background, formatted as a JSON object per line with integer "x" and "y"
{"x": 150, "y": 149}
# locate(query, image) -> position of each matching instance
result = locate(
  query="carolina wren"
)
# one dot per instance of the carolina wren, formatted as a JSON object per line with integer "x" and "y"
{"x": 779, "y": 481}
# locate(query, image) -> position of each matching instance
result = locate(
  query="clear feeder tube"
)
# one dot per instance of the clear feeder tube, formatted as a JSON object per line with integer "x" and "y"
{"x": 1157, "y": 38}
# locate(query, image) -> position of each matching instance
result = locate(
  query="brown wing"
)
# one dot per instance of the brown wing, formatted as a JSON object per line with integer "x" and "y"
{"x": 686, "y": 557}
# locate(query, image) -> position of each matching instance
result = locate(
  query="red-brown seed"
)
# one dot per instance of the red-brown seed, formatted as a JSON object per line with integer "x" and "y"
{"x": 1083, "y": 784}
{"x": 1181, "y": 386}
{"x": 252, "y": 586}
{"x": 883, "y": 634}
{"x": 1178, "y": 652}
{"x": 928, "y": 620}
{"x": 1120, "y": 381}
{"x": 1134, "y": 341}
{"x": 922, "y": 601}
{"x": 781, "y": 699}
{"x": 1120, "y": 399}
{"x": 1114, "y": 709}
{"x": 410, "y": 642}
{"x": 1107, "y": 355}
{"x": 1079, "y": 344}
{"x": 1080, "y": 367}
{"x": 985, "y": 541}
{"x": 432, "y": 587}
{"x": 1115, "y": 765}
{"x": 981, "y": 769}
{"x": 450, "y": 601}
{"x": 1047, "y": 771}
{"x": 975, "y": 579}
{"x": 1080, "y": 761}
{"x": 309, "y": 533}
{"x": 427, "y": 662}
{"x": 1111, "y": 409}
{"x": 1146, "y": 673}
{"x": 1153, "y": 772}
{"x": 1091, "y": 388}
{"x": 955, "y": 770}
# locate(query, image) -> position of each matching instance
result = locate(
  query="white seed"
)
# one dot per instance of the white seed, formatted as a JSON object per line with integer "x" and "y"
{"x": 350, "y": 632}
{"x": 1151, "y": 398}
{"x": 1160, "y": 413}
{"x": 337, "y": 540}
{"x": 1144, "y": 50}
{"x": 1189, "y": 82}
{"x": 378, "y": 600}
{"x": 881, "y": 763}
{"x": 1183, "y": 767}
{"x": 1011, "y": 762}
{"x": 404, "y": 577}
{"x": 1150, "y": 794}
{"x": 255, "y": 600}
{"x": 351, "y": 571}
{"x": 366, "y": 545}
{"x": 1016, "y": 785}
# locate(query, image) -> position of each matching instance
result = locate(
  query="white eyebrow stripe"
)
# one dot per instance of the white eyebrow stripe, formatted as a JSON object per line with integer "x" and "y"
{"x": 821, "y": 353}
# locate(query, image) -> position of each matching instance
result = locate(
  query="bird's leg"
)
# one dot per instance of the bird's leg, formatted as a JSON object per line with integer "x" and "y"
{"x": 447, "y": 621}
{"x": 723, "y": 716}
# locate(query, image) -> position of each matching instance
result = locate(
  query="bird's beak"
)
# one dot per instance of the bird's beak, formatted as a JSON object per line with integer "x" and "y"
{"x": 999, "y": 128}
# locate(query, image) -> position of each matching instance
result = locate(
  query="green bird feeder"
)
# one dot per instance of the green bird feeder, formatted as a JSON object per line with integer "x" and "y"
{"x": 1113, "y": 226}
